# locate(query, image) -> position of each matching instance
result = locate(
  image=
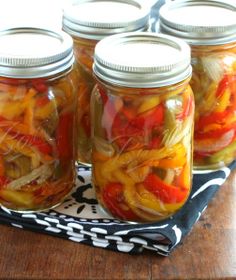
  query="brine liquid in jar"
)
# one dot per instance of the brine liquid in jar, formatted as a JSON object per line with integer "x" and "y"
{"x": 88, "y": 22}
{"x": 210, "y": 28}
{"x": 142, "y": 115}
{"x": 37, "y": 119}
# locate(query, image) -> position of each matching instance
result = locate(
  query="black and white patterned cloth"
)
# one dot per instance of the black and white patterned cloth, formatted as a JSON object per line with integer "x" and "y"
{"x": 80, "y": 219}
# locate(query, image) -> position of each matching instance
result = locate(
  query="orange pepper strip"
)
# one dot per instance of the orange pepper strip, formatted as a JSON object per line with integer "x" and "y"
{"x": 14, "y": 126}
{"x": 184, "y": 179}
{"x": 178, "y": 160}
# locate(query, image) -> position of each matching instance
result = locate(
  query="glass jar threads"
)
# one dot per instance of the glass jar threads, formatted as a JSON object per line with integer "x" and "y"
{"x": 210, "y": 28}
{"x": 37, "y": 118}
{"x": 89, "y": 21}
{"x": 142, "y": 115}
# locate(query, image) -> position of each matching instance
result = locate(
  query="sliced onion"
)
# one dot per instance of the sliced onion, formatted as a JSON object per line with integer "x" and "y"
{"x": 103, "y": 146}
{"x": 213, "y": 67}
{"x": 41, "y": 174}
{"x": 169, "y": 177}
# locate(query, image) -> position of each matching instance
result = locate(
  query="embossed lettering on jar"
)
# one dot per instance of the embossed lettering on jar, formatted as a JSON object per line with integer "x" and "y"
{"x": 89, "y": 21}
{"x": 210, "y": 28}
{"x": 142, "y": 115}
{"x": 37, "y": 118}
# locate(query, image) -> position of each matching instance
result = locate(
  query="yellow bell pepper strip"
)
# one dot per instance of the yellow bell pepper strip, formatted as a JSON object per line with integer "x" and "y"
{"x": 138, "y": 173}
{"x": 98, "y": 178}
{"x": 148, "y": 104}
{"x": 12, "y": 109}
{"x": 147, "y": 206}
{"x": 184, "y": 179}
{"x": 130, "y": 193}
{"x": 137, "y": 157}
{"x": 113, "y": 199}
{"x": 177, "y": 161}
{"x": 45, "y": 111}
{"x": 223, "y": 101}
{"x": 19, "y": 199}
{"x": 164, "y": 192}
{"x": 29, "y": 102}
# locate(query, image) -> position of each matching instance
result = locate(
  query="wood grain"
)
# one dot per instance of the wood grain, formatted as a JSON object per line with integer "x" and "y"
{"x": 208, "y": 252}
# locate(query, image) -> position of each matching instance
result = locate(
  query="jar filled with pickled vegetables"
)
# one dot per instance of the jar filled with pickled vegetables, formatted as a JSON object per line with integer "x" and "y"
{"x": 142, "y": 114}
{"x": 210, "y": 28}
{"x": 37, "y": 118}
{"x": 89, "y": 21}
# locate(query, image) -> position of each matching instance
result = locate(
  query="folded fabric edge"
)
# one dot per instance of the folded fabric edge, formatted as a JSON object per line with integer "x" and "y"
{"x": 106, "y": 243}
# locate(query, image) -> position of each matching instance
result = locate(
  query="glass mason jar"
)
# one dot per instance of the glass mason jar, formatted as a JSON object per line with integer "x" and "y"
{"x": 142, "y": 114}
{"x": 37, "y": 118}
{"x": 89, "y": 21}
{"x": 210, "y": 28}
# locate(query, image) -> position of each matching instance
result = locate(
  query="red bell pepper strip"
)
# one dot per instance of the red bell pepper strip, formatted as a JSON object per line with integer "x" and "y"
{"x": 215, "y": 117}
{"x": 227, "y": 81}
{"x": 4, "y": 181}
{"x": 42, "y": 101}
{"x": 124, "y": 134}
{"x": 150, "y": 119}
{"x": 166, "y": 193}
{"x": 64, "y": 136}
{"x": 155, "y": 143}
{"x": 40, "y": 85}
{"x": 113, "y": 199}
{"x": 214, "y": 133}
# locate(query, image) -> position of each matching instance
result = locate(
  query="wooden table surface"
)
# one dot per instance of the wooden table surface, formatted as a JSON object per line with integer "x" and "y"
{"x": 208, "y": 252}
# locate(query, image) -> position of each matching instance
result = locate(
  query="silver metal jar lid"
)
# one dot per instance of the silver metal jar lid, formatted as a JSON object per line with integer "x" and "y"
{"x": 95, "y": 19}
{"x": 34, "y": 53}
{"x": 142, "y": 59}
{"x": 200, "y": 22}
